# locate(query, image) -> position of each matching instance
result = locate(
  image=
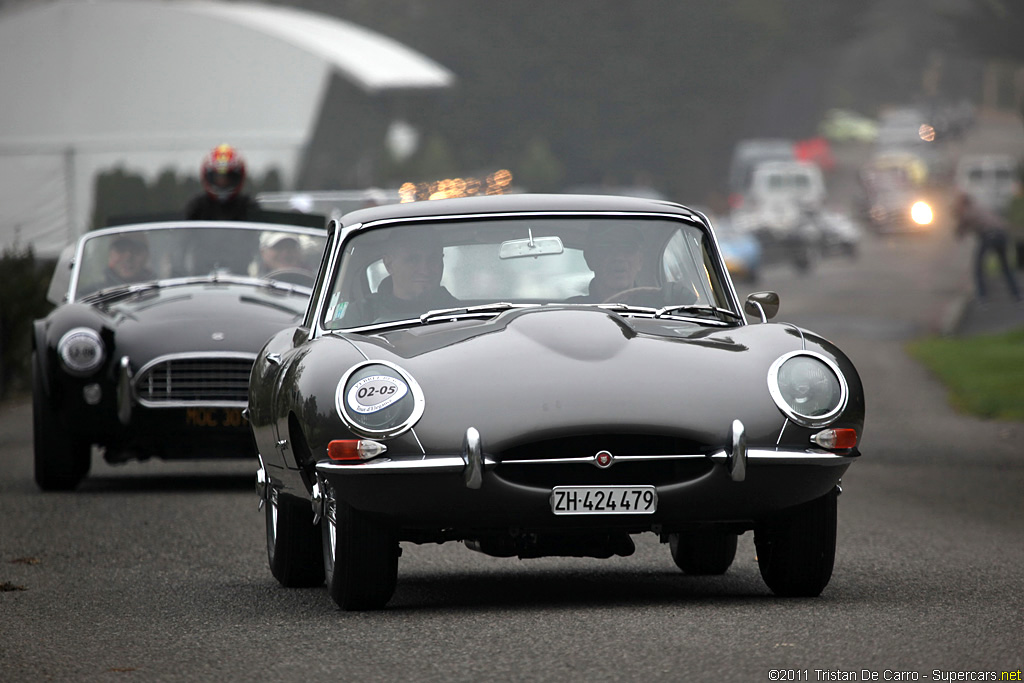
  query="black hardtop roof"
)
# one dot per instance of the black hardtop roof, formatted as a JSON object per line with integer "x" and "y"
{"x": 511, "y": 203}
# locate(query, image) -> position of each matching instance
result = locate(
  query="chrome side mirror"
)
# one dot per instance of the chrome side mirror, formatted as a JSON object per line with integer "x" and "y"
{"x": 765, "y": 305}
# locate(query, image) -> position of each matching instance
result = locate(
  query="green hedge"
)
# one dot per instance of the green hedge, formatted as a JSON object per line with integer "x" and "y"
{"x": 24, "y": 280}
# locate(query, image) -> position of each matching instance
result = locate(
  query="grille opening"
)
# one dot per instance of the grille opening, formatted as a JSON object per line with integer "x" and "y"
{"x": 585, "y": 445}
{"x": 195, "y": 380}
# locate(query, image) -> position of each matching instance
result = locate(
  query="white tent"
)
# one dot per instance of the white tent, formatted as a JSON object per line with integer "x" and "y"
{"x": 147, "y": 85}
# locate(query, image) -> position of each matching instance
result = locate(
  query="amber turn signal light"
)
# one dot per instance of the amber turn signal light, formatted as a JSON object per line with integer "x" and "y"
{"x": 354, "y": 449}
{"x": 836, "y": 439}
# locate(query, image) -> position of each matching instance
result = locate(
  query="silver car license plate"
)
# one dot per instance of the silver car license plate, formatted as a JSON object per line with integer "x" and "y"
{"x": 604, "y": 500}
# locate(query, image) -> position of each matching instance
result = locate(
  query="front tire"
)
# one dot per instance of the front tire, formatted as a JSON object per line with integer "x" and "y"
{"x": 360, "y": 557}
{"x": 703, "y": 553}
{"x": 293, "y": 542}
{"x": 61, "y": 461}
{"x": 796, "y": 552}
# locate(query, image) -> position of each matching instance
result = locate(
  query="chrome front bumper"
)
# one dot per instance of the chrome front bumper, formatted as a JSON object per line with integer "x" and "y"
{"x": 473, "y": 462}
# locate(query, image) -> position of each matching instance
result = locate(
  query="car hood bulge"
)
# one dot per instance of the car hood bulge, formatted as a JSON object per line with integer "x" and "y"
{"x": 205, "y": 318}
{"x": 538, "y": 371}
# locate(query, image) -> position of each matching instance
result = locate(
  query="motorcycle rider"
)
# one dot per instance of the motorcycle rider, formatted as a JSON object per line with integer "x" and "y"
{"x": 222, "y": 174}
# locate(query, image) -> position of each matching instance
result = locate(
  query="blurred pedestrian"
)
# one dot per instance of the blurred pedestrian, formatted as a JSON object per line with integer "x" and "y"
{"x": 223, "y": 175}
{"x": 990, "y": 231}
{"x": 1015, "y": 215}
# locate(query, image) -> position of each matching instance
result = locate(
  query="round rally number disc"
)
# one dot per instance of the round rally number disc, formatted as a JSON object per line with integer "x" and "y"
{"x": 374, "y": 393}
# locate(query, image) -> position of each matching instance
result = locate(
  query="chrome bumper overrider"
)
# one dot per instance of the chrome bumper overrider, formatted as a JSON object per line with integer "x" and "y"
{"x": 124, "y": 390}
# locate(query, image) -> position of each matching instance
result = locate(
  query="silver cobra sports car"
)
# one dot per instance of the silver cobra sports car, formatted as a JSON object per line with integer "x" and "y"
{"x": 544, "y": 375}
{"x": 149, "y": 350}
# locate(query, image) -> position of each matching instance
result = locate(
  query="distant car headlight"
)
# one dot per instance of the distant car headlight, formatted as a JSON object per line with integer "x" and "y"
{"x": 81, "y": 351}
{"x": 378, "y": 399}
{"x": 921, "y": 213}
{"x": 808, "y": 388}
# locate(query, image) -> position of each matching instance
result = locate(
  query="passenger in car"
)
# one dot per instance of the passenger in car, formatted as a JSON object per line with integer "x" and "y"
{"x": 614, "y": 256}
{"x": 279, "y": 251}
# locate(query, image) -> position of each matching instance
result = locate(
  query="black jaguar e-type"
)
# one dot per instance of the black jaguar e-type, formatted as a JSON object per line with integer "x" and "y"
{"x": 539, "y": 375}
{"x": 157, "y": 325}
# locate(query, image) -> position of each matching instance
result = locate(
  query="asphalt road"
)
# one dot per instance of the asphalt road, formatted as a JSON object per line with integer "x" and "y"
{"x": 156, "y": 571}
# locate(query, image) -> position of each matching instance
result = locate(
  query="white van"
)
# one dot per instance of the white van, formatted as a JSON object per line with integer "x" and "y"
{"x": 991, "y": 179}
{"x": 797, "y": 183}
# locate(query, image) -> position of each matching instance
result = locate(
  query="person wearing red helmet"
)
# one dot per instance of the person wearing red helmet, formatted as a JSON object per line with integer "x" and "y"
{"x": 222, "y": 175}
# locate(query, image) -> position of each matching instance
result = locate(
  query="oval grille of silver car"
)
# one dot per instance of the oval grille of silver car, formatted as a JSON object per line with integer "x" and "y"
{"x": 194, "y": 381}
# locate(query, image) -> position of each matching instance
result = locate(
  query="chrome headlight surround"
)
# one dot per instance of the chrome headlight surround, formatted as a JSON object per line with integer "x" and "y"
{"x": 81, "y": 351}
{"x": 378, "y": 399}
{"x": 829, "y": 390}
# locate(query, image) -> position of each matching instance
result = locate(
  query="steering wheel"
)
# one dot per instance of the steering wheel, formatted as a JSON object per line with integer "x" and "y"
{"x": 295, "y": 276}
{"x": 637, "y": 296}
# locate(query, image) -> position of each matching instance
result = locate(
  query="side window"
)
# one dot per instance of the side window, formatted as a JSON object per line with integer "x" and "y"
{"x": 687, "y": 260}
{"x": 673, "y": 263}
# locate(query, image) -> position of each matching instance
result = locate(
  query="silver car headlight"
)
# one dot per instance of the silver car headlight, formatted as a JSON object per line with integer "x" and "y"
{"x": 378, "y": 399}
{"x": 81, "y": 351}
{"x": 808, "y": 388}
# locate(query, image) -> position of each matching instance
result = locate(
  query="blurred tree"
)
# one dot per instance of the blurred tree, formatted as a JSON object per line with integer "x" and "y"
{"x": 538, "y": 169}
{"x": 119, "y": 193}
{"x": 649, "y": 87}
{"x": 432, "y": 161}
{"x": 23, "y": 284}
{"x": 994, "y": 30}
{"x": 122, "y": 196}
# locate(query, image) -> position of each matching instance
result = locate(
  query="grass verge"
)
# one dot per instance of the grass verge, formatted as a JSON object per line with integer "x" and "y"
{"x": 984, "y": 374}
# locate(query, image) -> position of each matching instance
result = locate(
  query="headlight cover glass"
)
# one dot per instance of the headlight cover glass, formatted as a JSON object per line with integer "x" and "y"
{"x": 808, "y": 388}
{"x": 378, "y": 399}
{"x": 81, "y": 351}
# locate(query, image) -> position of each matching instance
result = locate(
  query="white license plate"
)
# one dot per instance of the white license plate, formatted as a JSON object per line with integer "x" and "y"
{"x": 604, "y": 500}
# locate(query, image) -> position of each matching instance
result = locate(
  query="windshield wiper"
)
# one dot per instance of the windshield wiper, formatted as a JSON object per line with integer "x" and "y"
{"x": 484, "y": 309}
{"x": 127, "y": 290}
{"x": 627, "y": 308}
{"x": 698, "y": 309}
{"x": 119, "y": 291}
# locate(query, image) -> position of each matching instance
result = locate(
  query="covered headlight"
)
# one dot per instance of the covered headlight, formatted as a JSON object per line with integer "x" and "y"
{"x": 81, "y": 351}
{"x": 808, "y": 388}
{"x": 378, "y": 399}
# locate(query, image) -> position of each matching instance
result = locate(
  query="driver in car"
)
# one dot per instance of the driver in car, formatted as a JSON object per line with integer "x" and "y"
{"x": 127, "y": 261}
{"x": 415, "y": 263}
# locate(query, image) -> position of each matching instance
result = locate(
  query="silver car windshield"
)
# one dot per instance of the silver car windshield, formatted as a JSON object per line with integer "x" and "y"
{"x": 411, "y": 272}
{"x": 118, "y": 258}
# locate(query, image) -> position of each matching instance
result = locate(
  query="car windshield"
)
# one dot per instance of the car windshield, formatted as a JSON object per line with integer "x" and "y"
{"x": 403, "y": 273}
{"x": 130, "y": 256}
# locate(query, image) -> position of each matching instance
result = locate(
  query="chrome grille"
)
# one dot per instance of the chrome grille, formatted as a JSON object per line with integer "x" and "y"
{"x": 195, "y": 380}
{"x": 671, "y": 460}
{"x": 587, "y": 444}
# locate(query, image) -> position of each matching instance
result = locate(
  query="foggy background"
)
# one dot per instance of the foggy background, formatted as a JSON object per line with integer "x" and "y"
{"x": 647, "y": 93}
